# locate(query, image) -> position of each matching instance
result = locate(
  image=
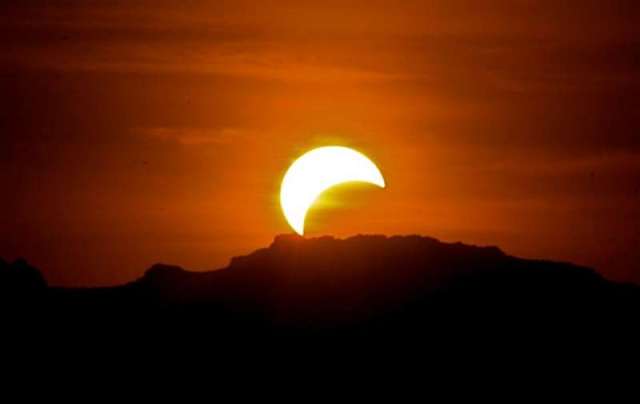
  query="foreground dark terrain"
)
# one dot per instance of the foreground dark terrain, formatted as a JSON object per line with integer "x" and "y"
{"x": 391, "y": 288}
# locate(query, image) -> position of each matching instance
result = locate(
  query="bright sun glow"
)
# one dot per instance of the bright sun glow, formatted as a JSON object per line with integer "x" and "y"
{"x": 318, "y": 170}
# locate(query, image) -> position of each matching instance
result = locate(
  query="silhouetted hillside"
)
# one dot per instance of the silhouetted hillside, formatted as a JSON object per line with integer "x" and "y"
{"x": 19, "y": 279}
{"x": 384, "y": 286}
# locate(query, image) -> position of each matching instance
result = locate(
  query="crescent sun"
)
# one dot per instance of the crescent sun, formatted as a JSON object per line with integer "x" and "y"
{"x": 316, "y": 171}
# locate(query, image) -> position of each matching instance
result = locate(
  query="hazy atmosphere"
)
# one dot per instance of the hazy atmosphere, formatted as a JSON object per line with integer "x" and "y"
{"x": 141, "y": 132}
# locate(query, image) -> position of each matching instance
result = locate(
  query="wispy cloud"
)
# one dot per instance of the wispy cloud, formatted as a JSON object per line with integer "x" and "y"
{"x": 193, "y": 136}
{"x": 323, "y": 42}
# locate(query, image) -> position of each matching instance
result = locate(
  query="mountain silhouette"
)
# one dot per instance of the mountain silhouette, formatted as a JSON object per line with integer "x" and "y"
{"x": 400, "y": 287}
{"x": 19, "y": 280}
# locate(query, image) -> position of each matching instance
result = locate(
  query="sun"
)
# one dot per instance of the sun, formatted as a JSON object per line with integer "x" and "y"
{"x": 316, "y": 171}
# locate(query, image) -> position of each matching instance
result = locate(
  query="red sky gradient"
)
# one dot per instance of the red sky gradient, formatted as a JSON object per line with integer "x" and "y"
{"x": 139, "y": 132}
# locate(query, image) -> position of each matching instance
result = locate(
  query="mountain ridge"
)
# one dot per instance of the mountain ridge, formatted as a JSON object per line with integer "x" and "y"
{"x": 364, "y": 282}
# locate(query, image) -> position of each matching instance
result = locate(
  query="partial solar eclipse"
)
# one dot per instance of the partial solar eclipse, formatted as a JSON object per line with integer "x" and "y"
{"x": 316, "y": 171}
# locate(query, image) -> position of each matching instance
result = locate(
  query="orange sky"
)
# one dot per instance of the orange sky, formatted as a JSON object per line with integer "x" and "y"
{"x": 146, "y": 132}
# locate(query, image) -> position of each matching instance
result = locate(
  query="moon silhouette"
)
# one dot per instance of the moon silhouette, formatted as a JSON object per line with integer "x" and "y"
{"x": 316, "y": 171}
